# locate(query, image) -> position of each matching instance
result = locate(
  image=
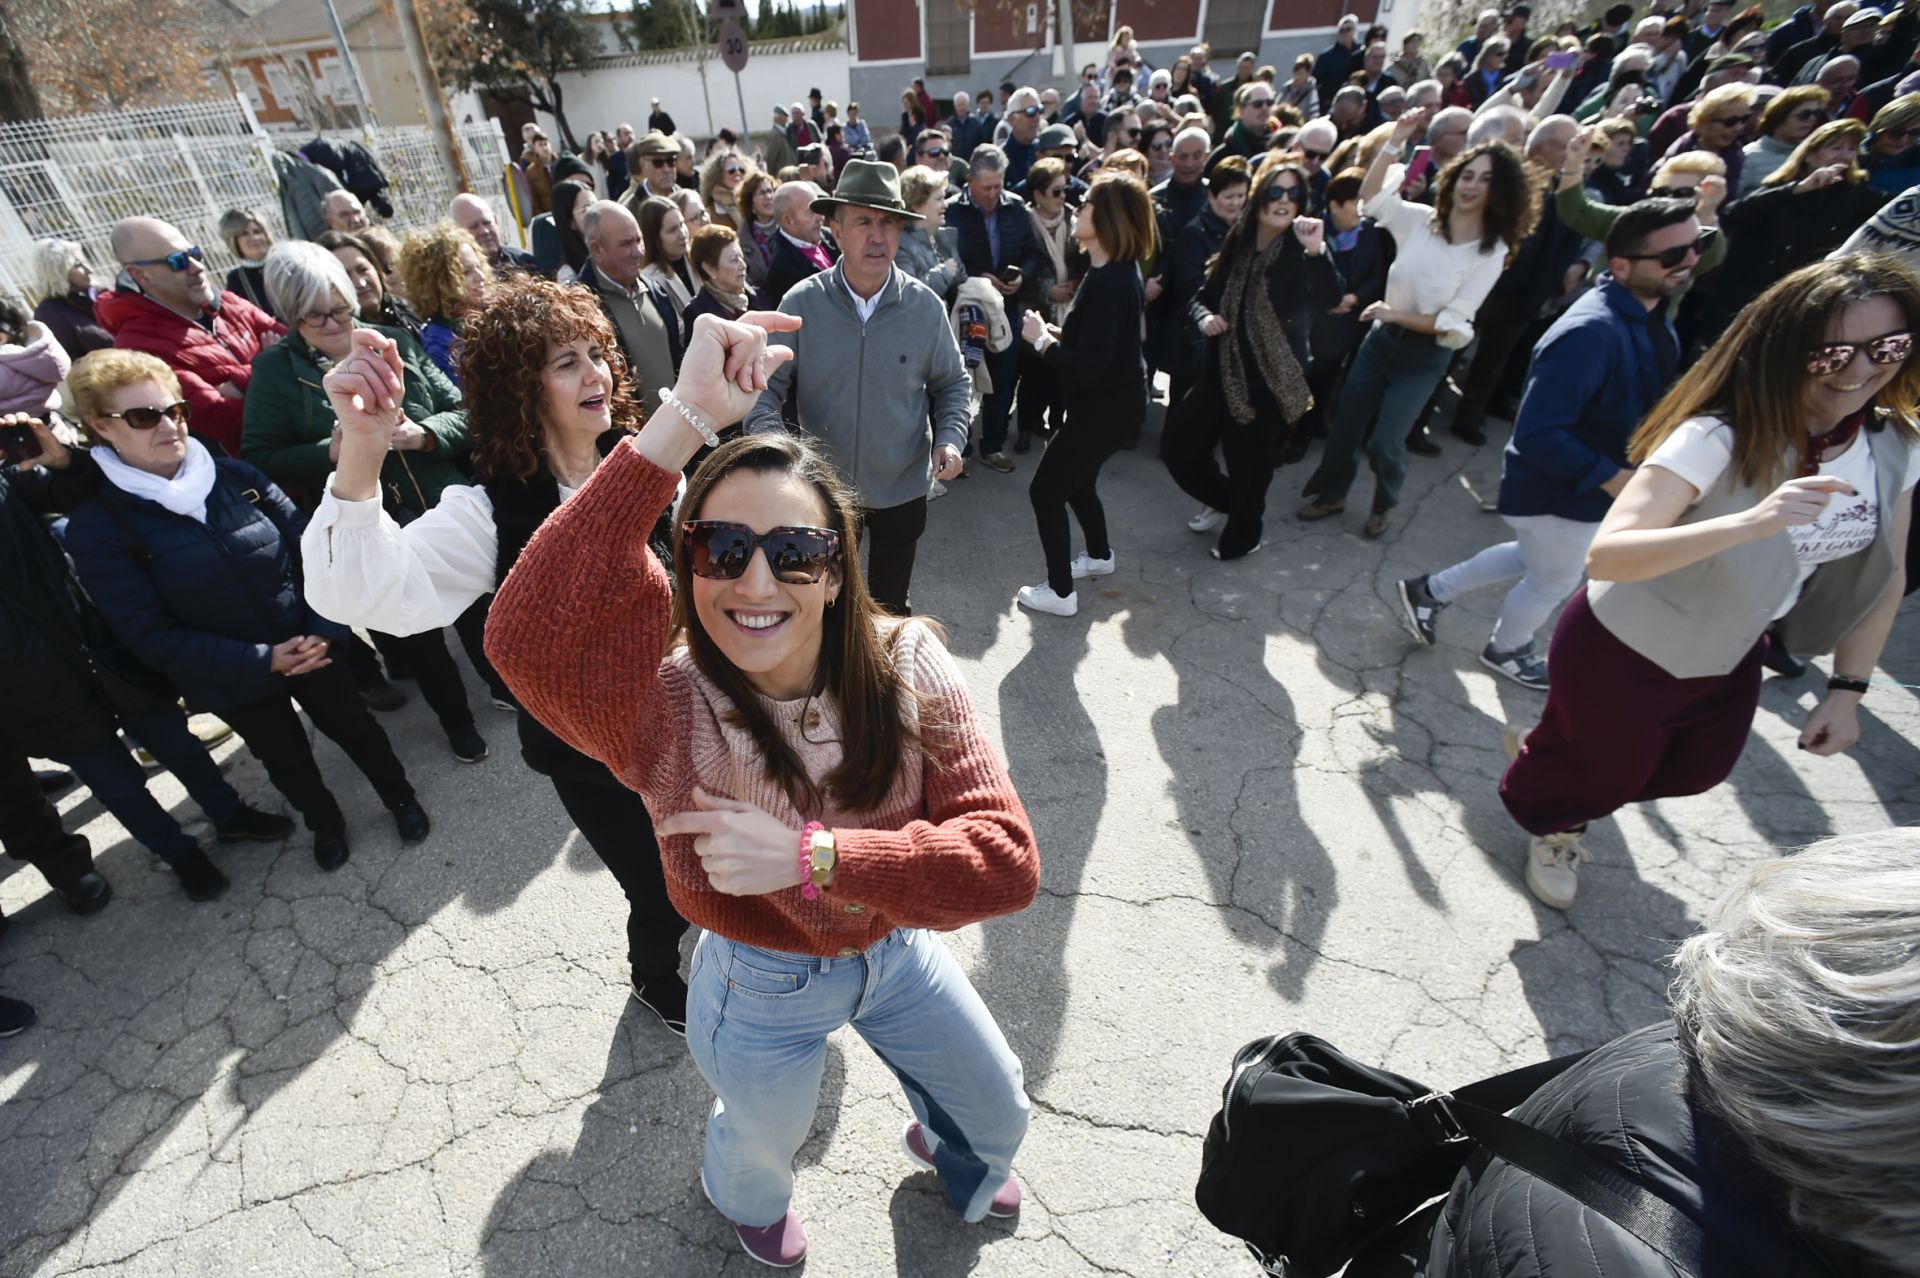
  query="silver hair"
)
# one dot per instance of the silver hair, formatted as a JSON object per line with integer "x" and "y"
{"x": 52, "y": 259}
{"x": 1193, "y": 133}
{"x": 986, "y": 158}
{"x": 303, "y": 278}
{"x": 596, "y": 211}
{"x": 1502, "y": 124}
{"x": 1799, "y": 1005}
{"x": 1350, "y": 93}
{"x": 1449, "y": 115}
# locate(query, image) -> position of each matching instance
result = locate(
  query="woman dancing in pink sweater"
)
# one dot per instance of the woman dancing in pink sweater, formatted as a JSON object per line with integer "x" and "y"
{"x": 824, "y": 792}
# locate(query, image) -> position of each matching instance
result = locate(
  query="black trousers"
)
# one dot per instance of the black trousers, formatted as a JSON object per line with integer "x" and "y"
{"x": 893, "y": 538}
{"x": 617, "y": 826}
{"x": 273, "y": 732}
{"x": 1065, "y": 479}
{"x": 30, "y": 828}
{"x": 1203, "y": 424}
{"x": 1041, "y": 405}
{"x": 471, "y": 626}
{"x": 1499, "y": 334}
{"x": 426, "y": 661}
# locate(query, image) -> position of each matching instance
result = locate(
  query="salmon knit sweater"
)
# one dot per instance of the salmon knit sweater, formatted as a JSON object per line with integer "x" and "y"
{"x": 580, "y": 631}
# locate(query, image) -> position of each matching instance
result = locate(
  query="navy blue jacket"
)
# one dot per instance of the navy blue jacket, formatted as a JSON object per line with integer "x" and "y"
{"x": 1594, "y": 375}
{"x": 1018, "y": 245}
{"x": 201, "y": 603}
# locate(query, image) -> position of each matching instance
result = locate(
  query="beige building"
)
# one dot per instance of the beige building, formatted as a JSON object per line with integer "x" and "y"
{"x": 286, "y": 63}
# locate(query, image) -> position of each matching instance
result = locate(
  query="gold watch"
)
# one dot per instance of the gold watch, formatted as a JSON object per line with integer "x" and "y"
{"x": 821, "y": 859}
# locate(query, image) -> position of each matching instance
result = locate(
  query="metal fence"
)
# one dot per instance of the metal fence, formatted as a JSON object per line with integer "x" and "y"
{"x": 73, "y": 178}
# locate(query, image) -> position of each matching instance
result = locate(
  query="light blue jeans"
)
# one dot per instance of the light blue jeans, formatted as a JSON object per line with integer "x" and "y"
{"x": 757, "y": 1023}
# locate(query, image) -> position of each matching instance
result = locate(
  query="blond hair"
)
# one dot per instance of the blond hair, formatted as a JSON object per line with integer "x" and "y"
{"x": 430, "y": 264}
{"x": 95, "y": 377}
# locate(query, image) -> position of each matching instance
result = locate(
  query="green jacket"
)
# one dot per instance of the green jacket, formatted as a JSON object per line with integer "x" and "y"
{"x": 287, "y": 430}
{"x": 1587, "y": 217}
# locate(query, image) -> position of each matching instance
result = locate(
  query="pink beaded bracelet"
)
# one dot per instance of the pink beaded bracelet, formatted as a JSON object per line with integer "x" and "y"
{"x": 807, "y": 889}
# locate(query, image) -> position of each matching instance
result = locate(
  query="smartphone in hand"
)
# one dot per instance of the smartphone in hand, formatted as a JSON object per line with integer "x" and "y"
{"x": 1562, "y": 61}
{"x": 19, "y": 445}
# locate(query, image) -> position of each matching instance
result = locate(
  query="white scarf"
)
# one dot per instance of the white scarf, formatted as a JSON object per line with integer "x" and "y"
{"x": 184, "y": 494}
{"x": 1054, "y": 237}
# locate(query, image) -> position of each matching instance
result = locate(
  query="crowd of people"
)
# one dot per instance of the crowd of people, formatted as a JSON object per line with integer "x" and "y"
{"x": 1658, "y": 246}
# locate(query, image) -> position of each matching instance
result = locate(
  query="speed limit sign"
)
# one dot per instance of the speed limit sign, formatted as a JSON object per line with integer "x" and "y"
{"x": 733, "y": 46}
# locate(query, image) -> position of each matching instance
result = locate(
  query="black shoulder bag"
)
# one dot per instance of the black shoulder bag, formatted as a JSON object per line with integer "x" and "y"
{"x": 1313, "y": 1155}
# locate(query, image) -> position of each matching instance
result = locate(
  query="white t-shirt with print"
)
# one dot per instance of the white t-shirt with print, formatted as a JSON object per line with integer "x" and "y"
{"x": 1701, "y": 448}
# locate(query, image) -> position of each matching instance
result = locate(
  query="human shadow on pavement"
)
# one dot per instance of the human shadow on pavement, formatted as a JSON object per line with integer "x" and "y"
{"x": 157, "y": 1002}
{"x": 1231, "y": 740}
{"x": 626, "y": 1196}
{"x": 929, "y": 1239}
{"x": 1059, "y": 768}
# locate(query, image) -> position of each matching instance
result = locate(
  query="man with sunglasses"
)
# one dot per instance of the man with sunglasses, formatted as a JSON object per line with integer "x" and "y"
{"x": 1595, "y": 374}
{"x": 1024, "y": 121}
{"x": 934, "y": 150}
{"x": 1335, "y": 63}
{"x": 654, "y": 162}
{"x": 1248, "y": 137}
{"x": 175, "y": 311}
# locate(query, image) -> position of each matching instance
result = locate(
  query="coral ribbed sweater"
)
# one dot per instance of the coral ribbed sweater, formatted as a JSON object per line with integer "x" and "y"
{"x": 580, "y": 631}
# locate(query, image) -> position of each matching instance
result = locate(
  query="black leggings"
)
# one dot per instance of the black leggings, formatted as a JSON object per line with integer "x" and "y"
{"x": 1065, "y": 478}
{"x": 273, "y": 732}
{"x": 617, "y": 826}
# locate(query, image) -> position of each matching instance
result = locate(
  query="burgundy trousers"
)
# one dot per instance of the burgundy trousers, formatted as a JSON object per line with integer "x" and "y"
{"x": 1618, "y": 729}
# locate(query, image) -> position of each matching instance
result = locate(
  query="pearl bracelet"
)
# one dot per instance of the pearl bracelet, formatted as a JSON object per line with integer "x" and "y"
{"x": 669, "y": 400}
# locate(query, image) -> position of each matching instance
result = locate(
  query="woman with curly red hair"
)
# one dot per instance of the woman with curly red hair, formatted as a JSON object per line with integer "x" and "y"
{"x": 541, "y": 417}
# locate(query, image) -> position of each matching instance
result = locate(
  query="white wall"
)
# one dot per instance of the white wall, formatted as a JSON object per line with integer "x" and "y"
{"x": 601, "y": 99}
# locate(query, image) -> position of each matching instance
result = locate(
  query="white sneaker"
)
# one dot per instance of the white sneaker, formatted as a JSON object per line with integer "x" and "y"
{"x": 936, "y": 491}
{"x": 1207, "y": 520}
{"x": 1041, "y": 598}
{"x": 1085, "y": 565}
{"x": 1553, "y": 867}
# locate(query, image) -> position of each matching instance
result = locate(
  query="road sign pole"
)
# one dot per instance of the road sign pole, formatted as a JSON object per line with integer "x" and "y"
{"x": 746, "y": 126}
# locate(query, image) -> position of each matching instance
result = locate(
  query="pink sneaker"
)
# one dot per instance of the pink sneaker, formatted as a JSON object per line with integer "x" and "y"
{"x": 913, "y": 1140}
{"x": 783, "y": 1244}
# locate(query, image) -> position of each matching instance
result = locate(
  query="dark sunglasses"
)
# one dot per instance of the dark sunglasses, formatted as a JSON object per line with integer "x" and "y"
{"x": 1734, "y": 121}
{"x": 1057, "y": 193}
{"x": 798, "y": 556}
{"x": 1287, "y": 191}
{"x": 148, "y": 418}
{"x": 1028, "y": 111}
{"x": 937, "y": 152}
{"x": 1888, "y": 348}
{"x": 1318, "y": 156}
{"x": 1259, "y": 102}
{"x": 1163, "y": 144}
{"x": 1809, "y": 113}
{"x": 1670, "y": 258}
{"x": 660, "y": 162}
{"x": 173, "y": 261}
{"x": 733, "y": 169}
{"x": 1131, "y": 133}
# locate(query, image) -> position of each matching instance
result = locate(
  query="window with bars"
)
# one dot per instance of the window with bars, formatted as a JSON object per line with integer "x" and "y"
{"x": 1233, "y": 27}
{"x": 949, "y": 38}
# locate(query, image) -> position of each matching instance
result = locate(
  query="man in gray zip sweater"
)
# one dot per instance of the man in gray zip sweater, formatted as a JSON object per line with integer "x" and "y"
{"x": 876, "y": 377}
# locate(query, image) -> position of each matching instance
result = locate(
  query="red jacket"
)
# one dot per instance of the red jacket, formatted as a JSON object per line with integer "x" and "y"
{"x": 201, "y": 359}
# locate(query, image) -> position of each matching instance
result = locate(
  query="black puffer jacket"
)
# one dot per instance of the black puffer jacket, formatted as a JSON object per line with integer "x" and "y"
{"x": 66, "y": 674}
{"x": 1628, "y": 1105}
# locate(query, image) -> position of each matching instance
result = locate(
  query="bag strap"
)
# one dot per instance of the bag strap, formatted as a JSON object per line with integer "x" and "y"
{"x": 1503, "y": 1092}
{"x": 1576, "y": 1173}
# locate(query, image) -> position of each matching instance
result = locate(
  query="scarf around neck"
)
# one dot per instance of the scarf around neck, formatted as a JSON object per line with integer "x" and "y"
{"x": 1247, "y": 306}
{"x": 734, "y": 302}
{"x": 1054, "y": 235}
{"x": 184, "y": 494}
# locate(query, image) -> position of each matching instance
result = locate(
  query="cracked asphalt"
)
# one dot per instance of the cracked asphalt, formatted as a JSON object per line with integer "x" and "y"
{"x": 1260, "y": 807}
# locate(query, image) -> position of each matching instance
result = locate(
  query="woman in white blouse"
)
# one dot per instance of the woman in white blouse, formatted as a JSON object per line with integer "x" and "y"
{"x": 531, "y": 453}
{"x": 1448, "y": 259}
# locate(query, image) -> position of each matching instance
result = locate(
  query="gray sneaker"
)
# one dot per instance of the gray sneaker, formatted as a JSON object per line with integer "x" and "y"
{"x": 1419, "y": 608}
{"x": 1521, "y": 665}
